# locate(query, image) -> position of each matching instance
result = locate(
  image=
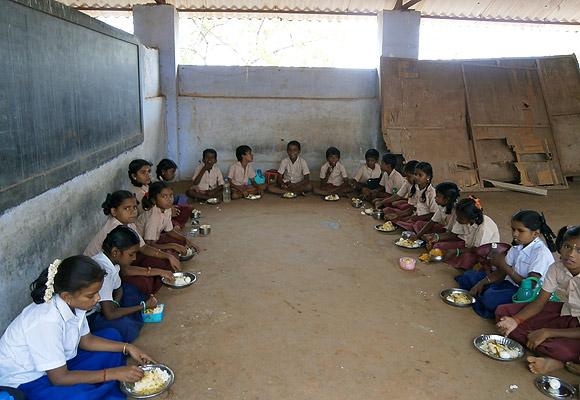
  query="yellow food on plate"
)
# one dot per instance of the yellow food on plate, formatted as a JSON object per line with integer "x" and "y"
{"x": 425, "y": 257}
{"x": 386, "y": 227}
{"x": 436, "y": 253}
{"x": 153, "y": 381}
{"x": 497, "y": 349}
{"x": 407, "y": 243}
{"x": 459, "y": 298}
{"x": 155, "y": 310}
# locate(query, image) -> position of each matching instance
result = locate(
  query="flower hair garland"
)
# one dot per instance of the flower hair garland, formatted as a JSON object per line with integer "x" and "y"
{"x": 52, "y": 270}
{"x": 477, "y": 202}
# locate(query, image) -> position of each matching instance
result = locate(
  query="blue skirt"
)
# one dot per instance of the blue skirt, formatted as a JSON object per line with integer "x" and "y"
{"x": 492, "y": 296}
{"x": 43, "y": 389}
{"x": 128, "y": 326}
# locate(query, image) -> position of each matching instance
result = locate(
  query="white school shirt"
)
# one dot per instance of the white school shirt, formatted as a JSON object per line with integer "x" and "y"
{"x": 405, "y": 190}
{"x": 140, "y": 192}
{"x": 441, "y": 217}
{"x": 153, "y": 222}
{"x": 424, "y": 207}
{"x": 477, "y": 235}
{"x": 96, "y": 245}
{"x": 210, "y": 179}
{"x": 239, "y": 175}
{"x": 568, "y": 286}
{"x": 535, "y": 257}
{"x": 337, "y": 176}
{"x": 364, "y": 173}
{"x": 392, "y": 182}
{"x": 112, "y": 280}
{"x": 43, "y": 337}
{"x": 293, "y": 172}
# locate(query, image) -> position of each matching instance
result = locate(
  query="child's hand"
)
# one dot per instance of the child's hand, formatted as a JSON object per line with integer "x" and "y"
{"x": 174, "y": 262}
{"x": 180, "y": 249}
{"x": 165, "y": 274}
{"x": 428, "y": 237}
{"x": 152, "y": 301}
{"x": 129, "y": 373}
{"x": 175, "y": 212}
{"x": 506, "y": 325}
{"x": 139, "y": 356}
{"x": 537, "y": 337}
{"x": 477, "y": 289}
{"x": 391, "y": 217}
{"x": 193, "y": 245}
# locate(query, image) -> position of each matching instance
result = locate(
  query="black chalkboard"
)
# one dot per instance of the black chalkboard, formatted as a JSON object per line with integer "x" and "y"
{"x": 69, "y": 96}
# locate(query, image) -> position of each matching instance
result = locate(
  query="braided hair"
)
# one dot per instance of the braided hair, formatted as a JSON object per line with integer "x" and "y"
{"x": 450, "y": 192}
{"x": 470, "y": 209}
{"x": 428, "y": 170}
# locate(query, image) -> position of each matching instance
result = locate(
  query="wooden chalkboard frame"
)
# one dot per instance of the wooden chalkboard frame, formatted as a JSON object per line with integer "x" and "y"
{"x": 31, "y": 186}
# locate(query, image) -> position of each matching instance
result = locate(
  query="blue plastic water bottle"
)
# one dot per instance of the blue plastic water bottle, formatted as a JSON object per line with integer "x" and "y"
{"x": 6, "y": 396}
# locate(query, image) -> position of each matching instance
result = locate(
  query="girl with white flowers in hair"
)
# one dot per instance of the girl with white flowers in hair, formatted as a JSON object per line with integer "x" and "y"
{"x": 48, "y": 352}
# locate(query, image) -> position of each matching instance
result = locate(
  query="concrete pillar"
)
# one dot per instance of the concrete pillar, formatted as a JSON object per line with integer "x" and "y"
{"x": 157, "y": 26}
{"x": 399, "y": 33}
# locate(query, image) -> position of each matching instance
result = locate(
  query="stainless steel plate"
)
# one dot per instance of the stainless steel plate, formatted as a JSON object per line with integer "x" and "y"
{"x": 480, "y": 340}
{"x": 418, "y": 244}
{"x": 448, "y": 292}
{"x": 213, "y": 200}
{"x": 565, "y": 391}
{"x": 289, "y": 195}
{"x": 253, "y": 197}
{"x": 378, "y": 229}
{"x": 128, "y": 388}
{"x": 189, "y": 255}
{"x": 332, "y": 197}
{"x": 177, "y": 275}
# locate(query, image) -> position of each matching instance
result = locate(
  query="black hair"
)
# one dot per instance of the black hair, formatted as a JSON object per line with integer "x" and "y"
{"x": 115, "y": 199}
{"x": 122, "y": 237}
{"x": 566, "y": 233}
{"x": 372, "y": 153}
{"x": 450, "y": 192}
{"x": 164, "y": 165}
{"x": 209, "y": 151}
{"x": 73, "y": 274}
{"x": 154, "y": 189}
{"x": 390, "y": 159}
{"x": 410, "y": 166}
{"x": 428, "y": 170}
{"x": 332, "y": 151}
{"x": 242, "y": 151}
{"x": 293, "y": 143}
{"x": 468, "y": 209}
{"x": 135, "y": 166}
{"x": 535, "y": 221}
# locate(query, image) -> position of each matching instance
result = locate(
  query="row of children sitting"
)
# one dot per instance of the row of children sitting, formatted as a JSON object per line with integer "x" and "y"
{"x": 74, "y": 340}
{"x": 493, "y": 271}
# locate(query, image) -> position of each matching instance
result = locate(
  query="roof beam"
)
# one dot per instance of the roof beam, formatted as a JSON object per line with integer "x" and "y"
{"x": 406, "y": 6}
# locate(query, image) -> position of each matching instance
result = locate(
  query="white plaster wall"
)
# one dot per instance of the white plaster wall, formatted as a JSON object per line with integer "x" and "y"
{"x": 265, "y": 107}
{"x": 60, "y": 222}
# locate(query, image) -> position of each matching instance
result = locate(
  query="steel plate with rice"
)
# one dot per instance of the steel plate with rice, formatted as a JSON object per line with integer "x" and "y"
{"x": 253, "y": 197}
{"x": 387, "y": 227}
{"x": 182, "y": 280}
{"x": 213, "y": 200}
{"x": 409, "y": 244}
{"x": 499, "y": 347}
{"x": 158, "y": 378}
{"x": 188, "y": 255}
{"x": 555, "y": 387}
{"x": 332, "y": 197}
{"x": 457, "y": 297}
{"x": 289, "y": 195}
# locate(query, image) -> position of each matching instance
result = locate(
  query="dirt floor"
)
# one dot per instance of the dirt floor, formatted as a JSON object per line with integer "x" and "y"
{"x": 302, "y": 299}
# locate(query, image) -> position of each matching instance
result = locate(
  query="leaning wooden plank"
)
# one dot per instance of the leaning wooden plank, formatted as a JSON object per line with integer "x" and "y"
{"x": 518, "y": 188}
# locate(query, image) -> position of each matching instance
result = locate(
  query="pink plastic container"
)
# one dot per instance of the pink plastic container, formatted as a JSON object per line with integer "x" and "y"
{"x": 407, "y": 263}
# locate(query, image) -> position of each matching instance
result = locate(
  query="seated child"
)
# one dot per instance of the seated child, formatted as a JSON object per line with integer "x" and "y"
{"x": 422, "y": 200}
{"x": 446, "y": 197}
{"x": 333, "y": 177}
{"x": 181, "y": 211}
{"x": 208, "y": 181}
{"x": 391, "y": 180}
{"x": 529, "y": 257}
{"x": 48, "y": 351}
{"x": 368, "y": 174}
{"x": 400, "y": 200}
{"x": 121, "y": 208}
{"x": 470, "y": 239}
{"x": 242, "y": 175}
{"x": 140, "y": 177}
{"x": 551, "y": 329}
{"x": 293, "y": 173}
{"x": 120, "y": 305}
{"x": 155, "y": 223}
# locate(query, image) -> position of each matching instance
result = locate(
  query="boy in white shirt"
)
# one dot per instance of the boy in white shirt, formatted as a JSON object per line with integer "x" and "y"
{"x": 208, "y": 181}
{"x": 293, "y": 174}
{"x": 371, "y": 170}
{"x": 391, "y": 180}
{"x": 333, "y": 176}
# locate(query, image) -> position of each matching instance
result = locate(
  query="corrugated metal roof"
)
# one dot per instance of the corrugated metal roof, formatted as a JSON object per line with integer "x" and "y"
{"x": 552, "y": 11}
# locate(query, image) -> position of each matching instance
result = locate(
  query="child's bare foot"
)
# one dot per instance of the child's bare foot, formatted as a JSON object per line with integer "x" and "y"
{"x": 573, "y": 367}
{"x": 543, "y": 365}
